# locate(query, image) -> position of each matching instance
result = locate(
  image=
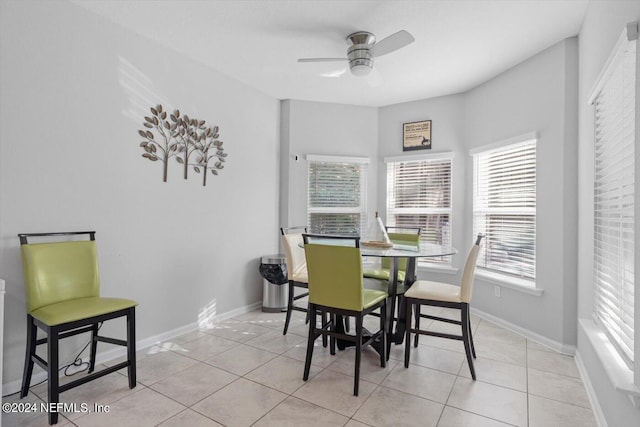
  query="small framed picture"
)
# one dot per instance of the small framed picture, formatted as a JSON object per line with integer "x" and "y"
{"x": 416, "y": 136}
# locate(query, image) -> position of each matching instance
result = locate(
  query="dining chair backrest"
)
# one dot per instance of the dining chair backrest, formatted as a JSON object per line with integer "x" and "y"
{"x": 293, "y": 230}
{"x": 331, "y": 240}
{"x": 403, "y": 230}
{"x": 334, "y": 265}
{"x": 59, "y": 271}
{"x": 468, "y": 274}
{"x": 293, "y": 253}
{"x": 406, "y": 239}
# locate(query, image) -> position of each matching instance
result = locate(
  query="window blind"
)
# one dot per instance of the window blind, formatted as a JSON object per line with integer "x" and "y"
{"x": 336, "y": 201}
{"x": 614, "y": 193}
{"x": 504, "y": 208}
{"x": 419, "y": 195}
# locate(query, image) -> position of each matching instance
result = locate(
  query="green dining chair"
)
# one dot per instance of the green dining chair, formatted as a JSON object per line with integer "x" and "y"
{"x": 437, "y": 294}
{"x": 404, "y": 236}
{"x": 63, "y": 299}
{"x": 334, "y": 266}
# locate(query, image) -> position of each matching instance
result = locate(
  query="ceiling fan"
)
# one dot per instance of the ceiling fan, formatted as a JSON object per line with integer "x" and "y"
{"x": 363, "y": 49}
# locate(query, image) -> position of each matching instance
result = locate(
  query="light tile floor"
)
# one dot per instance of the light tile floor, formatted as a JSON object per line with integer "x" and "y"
{"x": 243, "y": 372}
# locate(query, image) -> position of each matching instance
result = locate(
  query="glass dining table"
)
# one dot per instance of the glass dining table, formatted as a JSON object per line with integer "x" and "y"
{"x": 395, "y": 254}
{"x": 411, "y": 254}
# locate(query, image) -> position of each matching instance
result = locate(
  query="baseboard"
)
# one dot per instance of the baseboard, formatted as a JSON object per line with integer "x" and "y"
{"x": 569, "y": 350}
{"x": 114, "y": 353}
{"x": 591, "y": 392}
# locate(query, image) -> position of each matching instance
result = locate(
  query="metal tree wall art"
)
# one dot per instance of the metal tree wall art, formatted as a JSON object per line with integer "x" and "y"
{"x": 181, "y": 137}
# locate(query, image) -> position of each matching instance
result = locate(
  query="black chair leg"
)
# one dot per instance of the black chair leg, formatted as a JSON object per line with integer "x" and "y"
{"x": 415, "y": 344}
{"x": 94, "y": 347}
{"x": 32, "y": 336}
{"x": 311, "y": 339}
{"x": 333, "y": 322}
{"x": 52, "y": 374}
{"x": 473, "y": 347}
{"x": 407, "y": 340}
{"x": 466, "y": 339}
{"x": 324, "y": 321}
{"x": 131, "y": 346}
{"x": 290, "y": 309}
{"x": 383, "y": 335}
{"x": 356, "y": 381}
{"x": 390, "y": 315}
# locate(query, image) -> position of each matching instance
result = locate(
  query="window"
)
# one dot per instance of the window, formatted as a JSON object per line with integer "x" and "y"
{"x": 336, "y": 197}
{"x": 419, "y": 195}
{"x": 614, "y": 191}
{"x": 504, "y": 206}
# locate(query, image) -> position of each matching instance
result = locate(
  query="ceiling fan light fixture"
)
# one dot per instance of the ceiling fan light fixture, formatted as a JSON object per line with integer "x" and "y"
{"x": 363, "y": 49}
{"x": 361, "y": 68}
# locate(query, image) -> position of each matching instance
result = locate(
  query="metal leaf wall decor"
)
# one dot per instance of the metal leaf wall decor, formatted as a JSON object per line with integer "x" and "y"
{"x": 183, "y": 138}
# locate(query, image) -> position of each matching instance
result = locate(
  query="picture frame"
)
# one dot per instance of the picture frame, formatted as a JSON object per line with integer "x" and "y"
{"x": 416, "y": 135}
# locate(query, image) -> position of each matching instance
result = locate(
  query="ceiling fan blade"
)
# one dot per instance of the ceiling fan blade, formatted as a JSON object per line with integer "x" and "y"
{"x": 391, "y": 43}
{"x": 321, "y": 59}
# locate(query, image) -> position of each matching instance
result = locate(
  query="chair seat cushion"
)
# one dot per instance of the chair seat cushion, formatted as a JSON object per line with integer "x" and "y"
{"x": 78, "y": 309}
{"x": 372, "y": 297}
{"x": 424, "y": 289}
{"x": 301, "y": 275}
{"x": 382, "y": 274}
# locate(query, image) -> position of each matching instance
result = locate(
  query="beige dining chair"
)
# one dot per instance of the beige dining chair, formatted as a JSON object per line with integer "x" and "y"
{"x": 438, "y": 294}
{"x": 296, "y": 270}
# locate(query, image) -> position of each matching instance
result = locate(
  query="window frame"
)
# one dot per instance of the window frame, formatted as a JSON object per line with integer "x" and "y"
{"x": 361, "y": 209}
{"x": 501, "y": 277}
{"x": 441, "y": 262}
{"x": 632, "y": 363}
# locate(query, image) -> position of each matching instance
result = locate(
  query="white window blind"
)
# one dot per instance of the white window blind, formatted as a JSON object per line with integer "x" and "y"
{"x": 504, "y": 207}
{"x": 614, "y": 192}
{"x": 336, "y": 202}
{"x": 419, "y": 195}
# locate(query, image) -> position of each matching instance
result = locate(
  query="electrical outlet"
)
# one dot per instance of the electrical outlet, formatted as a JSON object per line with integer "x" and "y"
{"x": 496, "y": 291}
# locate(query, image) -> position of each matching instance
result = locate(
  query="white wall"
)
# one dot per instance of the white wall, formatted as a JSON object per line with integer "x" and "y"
{"x": 603, "y": 24}
{"x": 326, "y": 129}
{"x": 74, "y": 90}
{"x": 536, "y": 95}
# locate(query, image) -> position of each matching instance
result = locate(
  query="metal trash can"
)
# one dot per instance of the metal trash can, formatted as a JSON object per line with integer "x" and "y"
{"x": 275, "y": 294}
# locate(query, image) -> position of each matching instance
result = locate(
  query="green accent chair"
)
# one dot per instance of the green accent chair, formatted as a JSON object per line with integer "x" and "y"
{"x": 437, "y": 294}
{"x": 334, "y": 266}
{"x": 63, "y": 299}
{"x": 411, "y": 238}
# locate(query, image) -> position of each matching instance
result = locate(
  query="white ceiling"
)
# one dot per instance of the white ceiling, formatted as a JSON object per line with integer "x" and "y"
{"x": 459, "y": 43}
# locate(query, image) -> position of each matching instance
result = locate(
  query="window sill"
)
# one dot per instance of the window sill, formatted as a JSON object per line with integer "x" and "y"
{"x": 618, "y": 372}
{"x": 521, "y": 285}
{"x": 444, "y": 269}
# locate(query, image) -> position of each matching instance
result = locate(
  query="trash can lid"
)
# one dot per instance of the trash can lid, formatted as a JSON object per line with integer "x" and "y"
{"x": 273, "y": 259}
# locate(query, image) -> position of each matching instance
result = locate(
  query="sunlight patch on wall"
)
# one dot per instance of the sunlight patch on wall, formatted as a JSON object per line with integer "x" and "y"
{"x": 207, "y": 315}
{"x": 139, "y": 89}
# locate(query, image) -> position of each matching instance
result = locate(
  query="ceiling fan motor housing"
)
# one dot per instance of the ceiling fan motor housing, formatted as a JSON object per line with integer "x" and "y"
{"x": 360, "y": 59}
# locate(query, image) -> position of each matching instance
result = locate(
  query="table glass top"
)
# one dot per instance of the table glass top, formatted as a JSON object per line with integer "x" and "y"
{"x": 424, "y": 250}
{"x": 397, "y": 251}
